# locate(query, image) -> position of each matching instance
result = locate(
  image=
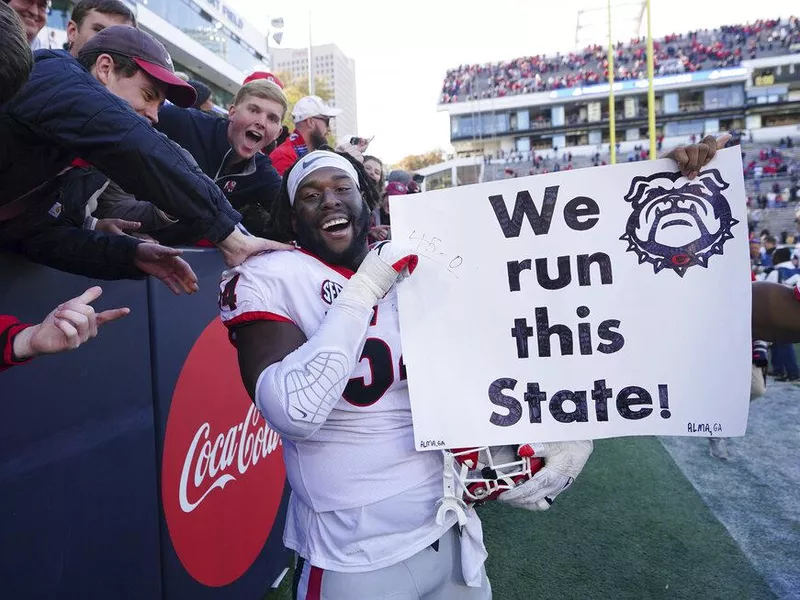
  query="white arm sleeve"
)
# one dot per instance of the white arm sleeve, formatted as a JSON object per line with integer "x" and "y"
{"x": 297, "y": 394}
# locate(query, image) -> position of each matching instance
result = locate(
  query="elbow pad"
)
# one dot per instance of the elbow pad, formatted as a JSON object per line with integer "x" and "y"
{"x": 297, "y": 394}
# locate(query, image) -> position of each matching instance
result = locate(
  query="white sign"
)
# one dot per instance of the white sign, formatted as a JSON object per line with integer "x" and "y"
{"x": 586, "y": 304}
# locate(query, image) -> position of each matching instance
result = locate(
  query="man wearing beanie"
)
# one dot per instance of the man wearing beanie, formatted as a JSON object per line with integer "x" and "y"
{"x": 203, "y": 102}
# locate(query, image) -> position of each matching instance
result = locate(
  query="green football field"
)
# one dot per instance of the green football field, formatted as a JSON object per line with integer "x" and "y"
{"x": 632, "y": 526}
{"x": 661, "y": 518}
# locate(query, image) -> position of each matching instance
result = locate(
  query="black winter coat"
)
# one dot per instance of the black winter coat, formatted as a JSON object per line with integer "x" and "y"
{"x": 63, "y": 113}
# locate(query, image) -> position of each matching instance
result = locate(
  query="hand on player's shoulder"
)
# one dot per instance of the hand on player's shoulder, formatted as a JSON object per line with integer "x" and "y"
{"x": 260, "y": 261}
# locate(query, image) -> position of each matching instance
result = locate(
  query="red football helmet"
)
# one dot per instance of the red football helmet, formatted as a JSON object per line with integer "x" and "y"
{"x": 486, "y": 472}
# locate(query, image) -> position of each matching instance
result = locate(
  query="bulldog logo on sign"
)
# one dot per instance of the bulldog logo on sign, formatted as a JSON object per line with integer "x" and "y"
{"x": 677, "y": 223}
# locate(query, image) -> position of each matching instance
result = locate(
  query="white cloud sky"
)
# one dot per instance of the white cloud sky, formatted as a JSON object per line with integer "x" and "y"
{"x": 402, "y": 50}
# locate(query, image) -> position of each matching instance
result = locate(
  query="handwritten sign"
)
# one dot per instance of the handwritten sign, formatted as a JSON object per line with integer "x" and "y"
{"x": 586, "y": 304}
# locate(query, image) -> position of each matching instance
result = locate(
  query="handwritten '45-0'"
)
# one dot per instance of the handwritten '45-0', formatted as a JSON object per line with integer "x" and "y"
{"x": 432, "y": 248}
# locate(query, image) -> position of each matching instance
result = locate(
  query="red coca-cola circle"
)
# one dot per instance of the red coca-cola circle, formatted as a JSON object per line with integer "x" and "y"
{"x": 222, "y": 470}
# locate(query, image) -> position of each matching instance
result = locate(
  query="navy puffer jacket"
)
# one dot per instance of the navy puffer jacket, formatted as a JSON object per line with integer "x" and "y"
{"x": 63, "y": 113}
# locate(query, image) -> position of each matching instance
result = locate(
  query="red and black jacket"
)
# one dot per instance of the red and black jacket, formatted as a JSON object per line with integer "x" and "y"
{"x": 9, "y": 328}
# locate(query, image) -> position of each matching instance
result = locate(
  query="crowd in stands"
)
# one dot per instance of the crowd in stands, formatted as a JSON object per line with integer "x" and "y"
{"x": 518, "y": 163}
{"x": 771, "y": 172}
{"x": 675, "y": 53}
{"x": 771, "y": 175}
{"x": 772, "y": 181}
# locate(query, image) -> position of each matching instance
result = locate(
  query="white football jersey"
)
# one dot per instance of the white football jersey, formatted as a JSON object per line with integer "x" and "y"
{"x": 362, "y": 497}
{"x": 364, "y": 453}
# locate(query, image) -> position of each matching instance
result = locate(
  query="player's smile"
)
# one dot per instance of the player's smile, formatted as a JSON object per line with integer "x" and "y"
{"x": 330, "y": 216}
{"x": 337, "y": 231}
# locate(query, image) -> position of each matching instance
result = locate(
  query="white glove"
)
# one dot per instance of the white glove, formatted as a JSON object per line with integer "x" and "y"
{"x": 563, "y": 461}
{"x": 387, "y": 263}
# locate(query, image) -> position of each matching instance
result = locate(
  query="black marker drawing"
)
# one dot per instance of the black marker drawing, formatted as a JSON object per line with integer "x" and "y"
{"x": 677, "y": 223}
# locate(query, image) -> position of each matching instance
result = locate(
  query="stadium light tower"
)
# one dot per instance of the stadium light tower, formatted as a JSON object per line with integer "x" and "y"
{"x": 311, "y": 83}
{"x": 605, "y": 25}
{"x": 612, "y": 107}
{"x": 275, "y": 29}
{"x": 651, "y": 93}
{"x": 591, "y": 25}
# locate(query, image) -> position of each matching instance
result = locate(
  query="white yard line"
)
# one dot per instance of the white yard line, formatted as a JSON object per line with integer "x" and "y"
{"x": 755, "y": 494}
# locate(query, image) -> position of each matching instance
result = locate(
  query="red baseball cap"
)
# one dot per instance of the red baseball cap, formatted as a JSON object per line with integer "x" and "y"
{"x": 395, "y": 188}
{"x": 263, "y": 75}
{"x": 149, "y": 54}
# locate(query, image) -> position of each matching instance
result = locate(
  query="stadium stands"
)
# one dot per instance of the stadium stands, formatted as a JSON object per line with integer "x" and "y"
{"x": 676, "y": 53}
{"x": 772, "y": 196}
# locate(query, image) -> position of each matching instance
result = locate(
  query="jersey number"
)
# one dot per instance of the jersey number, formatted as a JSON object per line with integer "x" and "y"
{"x": 381, "y": 368}
{"x": 227, "y": 298}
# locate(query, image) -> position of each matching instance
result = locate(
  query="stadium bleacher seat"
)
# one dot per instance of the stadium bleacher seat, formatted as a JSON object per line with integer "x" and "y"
{"x": 676, "y": 53}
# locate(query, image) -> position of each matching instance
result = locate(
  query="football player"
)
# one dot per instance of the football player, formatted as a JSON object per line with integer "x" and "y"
{"x": 318, "y": 340}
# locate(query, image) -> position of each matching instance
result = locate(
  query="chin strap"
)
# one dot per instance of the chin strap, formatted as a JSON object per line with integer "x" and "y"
{"x": 452, "y": 500}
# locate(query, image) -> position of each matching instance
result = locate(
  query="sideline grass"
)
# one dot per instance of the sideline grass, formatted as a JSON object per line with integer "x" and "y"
{"x": 631, "y": 527}
{"x": 284, "y": 590}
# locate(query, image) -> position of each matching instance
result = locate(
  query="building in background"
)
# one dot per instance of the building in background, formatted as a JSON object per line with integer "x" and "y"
{"x": 737, "y": 78}
{"x": 207, "y": 40}
{"x": 335, "y": 69}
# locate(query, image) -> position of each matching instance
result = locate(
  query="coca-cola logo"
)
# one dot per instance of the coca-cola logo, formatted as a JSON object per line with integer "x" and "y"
{"x": 222, "y": 469}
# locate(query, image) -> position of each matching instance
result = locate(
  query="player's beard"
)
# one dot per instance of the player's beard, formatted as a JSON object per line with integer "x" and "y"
{"x": 310, "y": 239}
{"x": 317, "y": 139}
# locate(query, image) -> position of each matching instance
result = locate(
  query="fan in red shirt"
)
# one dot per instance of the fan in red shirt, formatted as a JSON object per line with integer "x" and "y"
{"x": 312, "y": 120}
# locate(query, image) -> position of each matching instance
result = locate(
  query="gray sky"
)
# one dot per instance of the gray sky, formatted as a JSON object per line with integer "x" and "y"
{"x": 403, "y": 50}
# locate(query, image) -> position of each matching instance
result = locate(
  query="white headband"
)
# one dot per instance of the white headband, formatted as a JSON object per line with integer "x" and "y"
{"x": 313, "y": 161}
